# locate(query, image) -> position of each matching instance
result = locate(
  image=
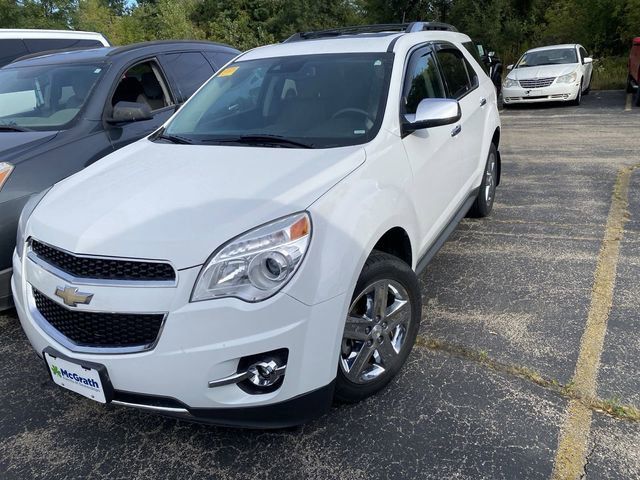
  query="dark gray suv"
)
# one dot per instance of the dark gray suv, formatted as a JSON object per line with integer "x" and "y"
{"x": 62, "y": 111}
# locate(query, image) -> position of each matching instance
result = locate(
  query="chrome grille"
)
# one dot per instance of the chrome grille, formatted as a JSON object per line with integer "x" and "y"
{"x": 537, "y": 82}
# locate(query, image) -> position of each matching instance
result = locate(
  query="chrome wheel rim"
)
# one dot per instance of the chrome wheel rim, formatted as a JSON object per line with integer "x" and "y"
{"x": 490, "y": 179}
{"x": 375, "y": 331}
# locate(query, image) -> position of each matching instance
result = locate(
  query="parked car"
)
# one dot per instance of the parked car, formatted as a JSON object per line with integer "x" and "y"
{"x": 633, "y": 80}
{"x": 558, "y": 73}
{"x": 259, "y": 254}
{"x": 18, "y": 43}
{"x": 492, "y": 63}
{"x": 61, "y": 112}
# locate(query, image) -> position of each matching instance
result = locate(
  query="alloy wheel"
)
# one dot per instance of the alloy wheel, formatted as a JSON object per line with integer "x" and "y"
{"x": 375, "y": 331}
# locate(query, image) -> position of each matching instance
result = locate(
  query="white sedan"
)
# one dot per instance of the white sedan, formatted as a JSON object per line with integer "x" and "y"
{"x": 555, "y": 73}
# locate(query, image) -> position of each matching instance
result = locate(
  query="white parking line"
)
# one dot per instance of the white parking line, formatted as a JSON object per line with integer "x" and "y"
{"x": 627, "y": 107}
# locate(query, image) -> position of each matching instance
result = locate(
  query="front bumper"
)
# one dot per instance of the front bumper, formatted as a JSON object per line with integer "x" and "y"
{"x": 556, "y": 92}
{"x": 201, "y": 342}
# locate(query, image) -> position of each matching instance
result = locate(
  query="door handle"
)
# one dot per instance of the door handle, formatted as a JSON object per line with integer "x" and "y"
{"x": 456, "y": 130}
{"x": 483, "y": 102}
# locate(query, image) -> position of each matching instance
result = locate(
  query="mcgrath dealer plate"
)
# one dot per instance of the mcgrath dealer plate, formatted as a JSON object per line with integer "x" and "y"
{"x": 87, "y": 379}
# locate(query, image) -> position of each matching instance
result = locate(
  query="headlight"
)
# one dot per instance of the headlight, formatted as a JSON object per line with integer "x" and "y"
{"x": 509, "y": 83}
{"x": 569, "y": 78}
{"x": 257, "y": 264}
{"x": 5, "y": 171}
{"x": 28, "y": 209}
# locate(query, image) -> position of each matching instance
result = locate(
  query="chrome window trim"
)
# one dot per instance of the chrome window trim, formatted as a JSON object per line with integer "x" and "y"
{"x": 58, "y": 337}
{"x": 97, "y": 282}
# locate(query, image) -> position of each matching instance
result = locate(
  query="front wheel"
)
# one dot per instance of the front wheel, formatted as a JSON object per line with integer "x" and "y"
{"x": 578, "y": 99}
{"x": 486, "y": 195}
{"x": 380, "y": 329}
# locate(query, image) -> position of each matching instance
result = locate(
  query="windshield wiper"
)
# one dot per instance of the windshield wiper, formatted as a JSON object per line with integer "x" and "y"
{"x": 13, "y": 128}
{"x": 262, "y": 139}
{"x": 174, "y": 139}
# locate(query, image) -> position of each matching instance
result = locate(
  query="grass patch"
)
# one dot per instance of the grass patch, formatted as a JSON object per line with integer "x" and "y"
{"x": 612, "y": 407}
{"x": 610, "y": 73}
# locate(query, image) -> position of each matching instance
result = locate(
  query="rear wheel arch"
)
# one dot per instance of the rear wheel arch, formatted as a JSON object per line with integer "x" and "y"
{"x": 496, "y": 141}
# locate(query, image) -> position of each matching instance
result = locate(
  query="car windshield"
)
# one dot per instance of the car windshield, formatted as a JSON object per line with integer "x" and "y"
{"x": 44, "y": 97}
{"x": 556, "y": 56}
{"x": 310, "y": 101}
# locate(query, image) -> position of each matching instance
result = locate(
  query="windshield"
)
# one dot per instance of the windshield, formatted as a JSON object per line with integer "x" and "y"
{"x": 44, "y": 97}
{"x": 558, "y": 56}
{"x": 311, "y": 101}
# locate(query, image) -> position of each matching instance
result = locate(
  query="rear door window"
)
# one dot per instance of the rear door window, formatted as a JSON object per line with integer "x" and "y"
{"x": 189, "y": 69}
{"x": 10, "y": 49}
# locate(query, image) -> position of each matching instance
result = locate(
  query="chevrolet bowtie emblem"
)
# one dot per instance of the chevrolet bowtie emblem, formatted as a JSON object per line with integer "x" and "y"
{"x": 72, "y": 297}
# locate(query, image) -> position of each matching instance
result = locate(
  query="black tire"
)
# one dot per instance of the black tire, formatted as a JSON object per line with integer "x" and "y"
{"x": 578, "y": 99}
{"x": 637, "y": 99}
{"x": 484, "y": 201}
{"x": 379, "y": 268}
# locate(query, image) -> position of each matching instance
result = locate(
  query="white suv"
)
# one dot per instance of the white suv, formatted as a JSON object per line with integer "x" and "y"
{"x": 257, "y": 257}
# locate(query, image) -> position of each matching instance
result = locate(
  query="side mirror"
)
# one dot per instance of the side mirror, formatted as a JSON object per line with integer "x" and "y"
{"x": 636, "y": 41}
{"x": 509, "y": 67}
{"x": 125, "y": 112}
{"x": 492, "y": 54}
{"x": 432, "y": 112}
{"x": 587, "y": 60}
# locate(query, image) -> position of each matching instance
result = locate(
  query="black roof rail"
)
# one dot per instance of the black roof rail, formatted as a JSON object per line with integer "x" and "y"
{"x": 378, "y": 28}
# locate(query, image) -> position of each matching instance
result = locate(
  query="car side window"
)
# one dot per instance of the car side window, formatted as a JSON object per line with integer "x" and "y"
{"x": 143, "y": 83}
{"x": 10, "y": 49}
{"x": 421, "y": 81}
{"x": 458, "y": 74}
{"x": 190, "y": 70}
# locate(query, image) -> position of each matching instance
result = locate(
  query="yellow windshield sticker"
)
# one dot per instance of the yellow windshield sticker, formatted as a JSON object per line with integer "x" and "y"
{"x": 227, "y": 72}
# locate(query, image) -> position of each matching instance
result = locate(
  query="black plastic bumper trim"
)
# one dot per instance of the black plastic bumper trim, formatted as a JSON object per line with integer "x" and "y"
{"x": 290, "y": 413}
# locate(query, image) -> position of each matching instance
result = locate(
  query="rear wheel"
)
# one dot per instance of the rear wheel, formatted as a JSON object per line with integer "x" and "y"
{"x": 637, "y": 102}
{"x": 380, "y": 329}
{"x": 484, "y": 201}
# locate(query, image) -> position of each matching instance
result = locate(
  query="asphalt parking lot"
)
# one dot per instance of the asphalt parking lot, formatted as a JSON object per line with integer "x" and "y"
{"x": 526, "y": 366}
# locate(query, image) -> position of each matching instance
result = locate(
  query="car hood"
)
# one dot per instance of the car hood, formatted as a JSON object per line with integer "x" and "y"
{"x": 181, "y": 202}
{"x": 544, "y": 71}
{"x": 17, "y": 143}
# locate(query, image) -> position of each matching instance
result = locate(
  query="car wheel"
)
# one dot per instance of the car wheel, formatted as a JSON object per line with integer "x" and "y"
{"x": 630, "y": 88}
{"x": 637, "y": 102}
{"x": 484, "y": 201}
{"x": 578, "y": 99}
{"x": 380, "y": 329}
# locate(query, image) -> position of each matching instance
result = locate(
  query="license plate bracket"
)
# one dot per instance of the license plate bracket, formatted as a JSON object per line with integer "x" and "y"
{"x": 88, "y": 379}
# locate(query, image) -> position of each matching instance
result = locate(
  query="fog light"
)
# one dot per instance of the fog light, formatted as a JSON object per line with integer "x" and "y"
{"x": 264, "y": 374}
